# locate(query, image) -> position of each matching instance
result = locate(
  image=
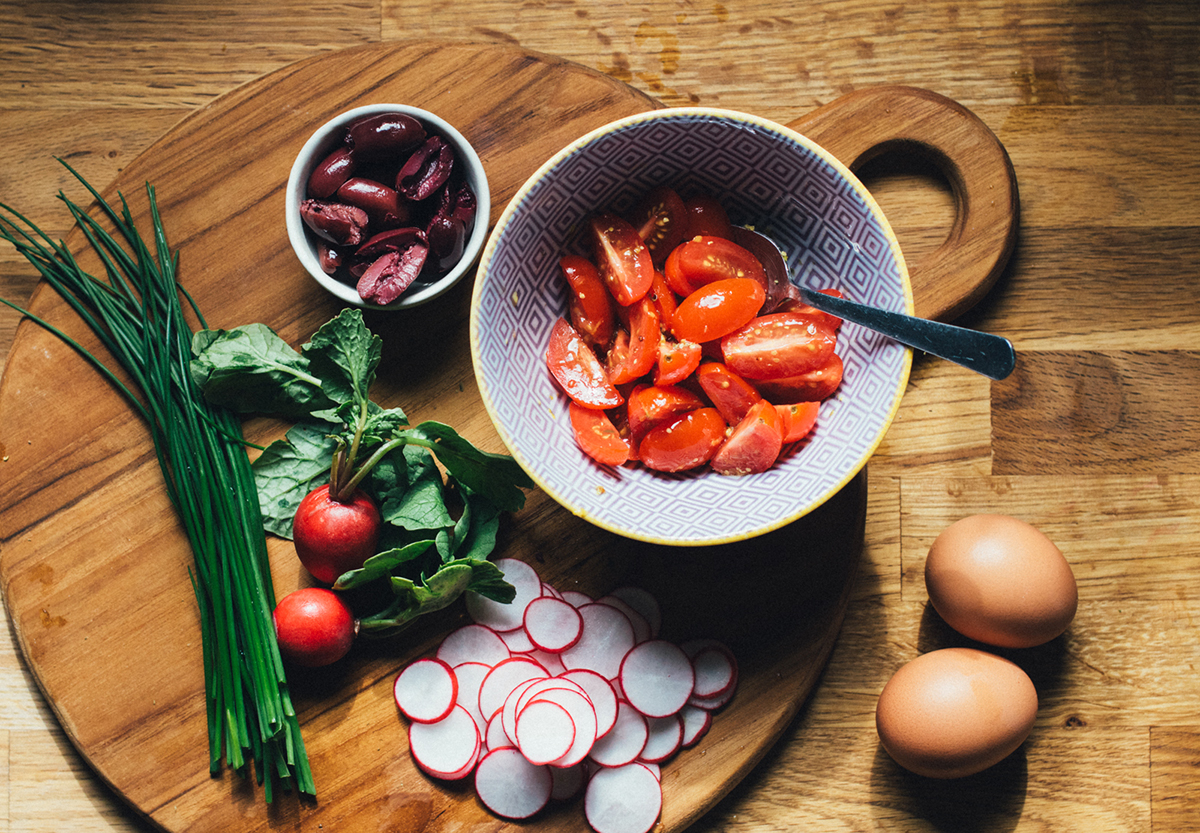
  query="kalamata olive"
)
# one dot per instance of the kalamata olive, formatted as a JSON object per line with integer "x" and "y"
{"x": 426, "y": 170}
{"x": 329, "y": 257}
{"x": 330, "y": 173}
{"x": 392, "y": 240}
{"x": 458, "y": 201}
{"x": 340, "y": 224}
{"x": 391, "y": 273}
{"x": 384, "y": 134}
{"x": 383, "y": 205}
{"x": 446, "y": 236}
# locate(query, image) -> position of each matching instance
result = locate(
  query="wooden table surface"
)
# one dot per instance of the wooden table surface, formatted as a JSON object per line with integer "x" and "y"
{"x": 1095, "y": 438}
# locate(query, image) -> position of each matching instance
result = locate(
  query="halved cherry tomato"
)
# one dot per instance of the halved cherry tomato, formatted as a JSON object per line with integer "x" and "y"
{"x": 643, "y": 337}
{"x": 622, "y": 259}
{"x": 813, "y": 386}
{"x": 778, "y": 345}
{"x": 575, "y": 367}
{"x": 730, "y": 393}
{"x": 591, "y": 306}
{"x": 661, "y": 221}
{"x": 652, "y": 405}
{"x": 677, "y": 360}
{"x": 794, "y": 304}
{"x": 597, "y": 436}
{"x": 717, "y": 309}
{"x": 664, "y": 300}
{"x": 797, "y": 420}
{"x": 683, "y": 443}
{"x": 702, "y": 260}
{"x": 707, "y": 217}
{"x": 754, "y": 445}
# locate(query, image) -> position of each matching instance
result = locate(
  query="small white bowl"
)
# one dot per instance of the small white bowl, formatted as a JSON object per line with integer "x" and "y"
{"x": 323, "y": 142}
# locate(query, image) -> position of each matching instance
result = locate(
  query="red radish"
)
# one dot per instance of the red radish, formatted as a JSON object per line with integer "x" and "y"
{"x": 314, "y": 627}
{"x": 625, "y": 741}
{"x": 518, "y": 641}
{"x": 600, "y": 692}
{"x": 643, "y": 602}
{"x": 550, "y": 590}
{"x": 583, "y": 716}
{"x": 472, "y": 643}
{"x": 544, "y": 732}
{"x": 607, "y": 636}
{"x": 625, "y": 799}
{"x": 502, "y": 679}
{"x": 508, "y": 713}
{"x": 711, "y": 703}
{"x": 470, "y": 677}
{"x": 333, "y": 536}
{"x": 551, "y": 662}
{"x": 656, "y": 769}
{"x": 641, "y": 627}
{"x": 495, "y": 737}
{"x": 657, "y": 678}
{"x": 552, "y": 624}
{"x": 510, "y": 786}
{"x": 716, "y": 671}
{"x": 576, "y": 599}
{"x": 506, "y": 617}
{"x": 664, "y": 738}
{"x": 446, "y": 749}
{"x": 696, "y": 723}
{"x": 426, "y": 690}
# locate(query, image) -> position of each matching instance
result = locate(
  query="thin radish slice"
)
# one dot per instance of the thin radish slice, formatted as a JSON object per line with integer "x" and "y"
{"x": 601, "y": 694}
{"x": 625, "y": 741}
{"x": 425, "y": 690}
{"x": 654, "y": 768}
{"x": 715, "y": 669}
{"x": 503, "y": 678}
{"x": 472, "y": 643}
{"x": 657, "y": 678}
{"x": 548, "y": 684}
{"x": 644, "y": 602}
{"x": 625, "y": 799}
{"x": 696, "y": 723}
{"x": 510, "y": 786}
{"x": 551, "y": 662}
{"x": 607, "y": 637}
{"x": 470, "y": 677}
{"x": 583, "y": 715}
{"x": 506, "y": 617}
{"x": 495, "y": 736}
{"x": 448, "y": 748}
{"x": 518, "y": 641}
{"x": 576, "y": 598}
{"x": 568, "y": 781}
{"x": 641, "y": 628}
{"x": 550, "y": 590}
{"x": 664, "y": 738}
{"x": 712, "y": 704}
{"x": 545, "y": 731}
{"x": 552, "y": 624}
{"x": 508, "y": 714}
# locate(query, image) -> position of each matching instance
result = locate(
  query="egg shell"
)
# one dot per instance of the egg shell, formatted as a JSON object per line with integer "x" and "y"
{"x": 999, "y": 580}
{"x": 955, "y": 712}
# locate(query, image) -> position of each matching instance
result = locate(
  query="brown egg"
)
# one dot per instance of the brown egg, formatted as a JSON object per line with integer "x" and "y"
{"x": 955, "y": 712}
{"x": 999, "y": 580}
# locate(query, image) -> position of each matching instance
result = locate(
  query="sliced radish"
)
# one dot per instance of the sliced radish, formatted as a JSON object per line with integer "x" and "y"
{"x": 470, "y": 677}
{"x": 712, "y": 704}
{"x": 607, "y": 637}
{"x": 583, "y": 715}
{"x": 657, "y": 678}
{"x": 448, "y": 748}
{"x": 506, "y": 617}
{"x": 518, "y": 640}
{"x": 601, "y": 694}
{"x": 503, "y": 678}
{"x": 551, "y": 662}
{"x": 696, "y": 723}
{"x": 550, "y": 590}
{"x": 552, "y": 624}
{"x": 544, "y": 732}
{"x": 472, "y": 643}
{"x": 548, "y": 684}
{"x": 641, "y": 628}
{"x": 656, "y": 769}
{"x": 716, "y": 671}
{"x": 644, "y": 602}
{"x": 495, "y": 736}
{"x": 664, "y": 738}
{"x": 508, "y": 714}
{"x": 625, "y": 741}
{"x": 425, "y": 691}
{"x": 576, "y": 598}
{"x": 510, "y": 786}
{"x": 568, "y": 781}
{"x": 625, "y": 799}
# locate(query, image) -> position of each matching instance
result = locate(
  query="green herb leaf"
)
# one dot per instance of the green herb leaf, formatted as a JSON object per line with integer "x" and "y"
{"x": 419, "y": 502}
{"x": 495, "y": 476}
{"x": 381, "y": 565}
{"x": 344, "y": 354}
{"x": 413, "y": 599}
{"x": 288, "y": 470}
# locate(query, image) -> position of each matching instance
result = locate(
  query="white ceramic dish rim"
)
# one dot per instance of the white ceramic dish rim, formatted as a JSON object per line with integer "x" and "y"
{"x": 514, "y": 205}
{"x": 323, "y": 142}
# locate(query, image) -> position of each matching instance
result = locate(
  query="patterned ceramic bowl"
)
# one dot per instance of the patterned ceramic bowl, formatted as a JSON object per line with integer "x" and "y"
{"x": 766, "y": 176}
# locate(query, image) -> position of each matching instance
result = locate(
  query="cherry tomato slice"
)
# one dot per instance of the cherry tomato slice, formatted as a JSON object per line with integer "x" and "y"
{"x": 597, "y": 436}
{"x": 575, "y": 367}
{"x": 794, "y": 304}
{"x": 797, "y": 420}
{"x": 643, "y": 336}
{"x": 664, "y": 300}
{"x": 717, "y": 309}
{"x": 652, "y": 405}
{"x": 754, "y": 445}
{"x": 677, "y": 360}
{"x": 778, "y": 345}
{"x": 683, "y": 443}
{"x": 622, "y": 259}
{"x": 661, "y": 221}
{"x": 702, "y": 260}
{"x": 813, "y": 386}
{"x": 730, "y": 393}
{"x": 707, "y": 217}
{"x": 590, "y": 305}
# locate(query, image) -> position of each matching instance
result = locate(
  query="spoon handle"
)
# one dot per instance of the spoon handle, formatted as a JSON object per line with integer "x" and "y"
{"x": 991, "y": 355}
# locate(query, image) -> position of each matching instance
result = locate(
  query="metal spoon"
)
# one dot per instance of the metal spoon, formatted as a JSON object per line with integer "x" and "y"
{"x": 991, "y": 355}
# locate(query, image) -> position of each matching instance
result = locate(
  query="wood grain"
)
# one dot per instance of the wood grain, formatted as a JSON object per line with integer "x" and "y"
{"x": 1097, "y": 104}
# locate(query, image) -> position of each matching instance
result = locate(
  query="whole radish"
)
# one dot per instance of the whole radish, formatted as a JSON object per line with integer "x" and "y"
{"x": 334, "y": 536}
{"x": 314, "y": 627}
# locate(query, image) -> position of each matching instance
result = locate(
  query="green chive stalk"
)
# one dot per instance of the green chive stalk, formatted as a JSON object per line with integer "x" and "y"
{"x": 137, "y": 314}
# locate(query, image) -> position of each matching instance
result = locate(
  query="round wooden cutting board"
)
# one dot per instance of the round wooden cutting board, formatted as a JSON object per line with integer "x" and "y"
{"x": 94, "y": 564}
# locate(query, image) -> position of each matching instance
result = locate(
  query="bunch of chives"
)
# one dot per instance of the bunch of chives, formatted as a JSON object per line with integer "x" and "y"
{"x": 137, "y": 314}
